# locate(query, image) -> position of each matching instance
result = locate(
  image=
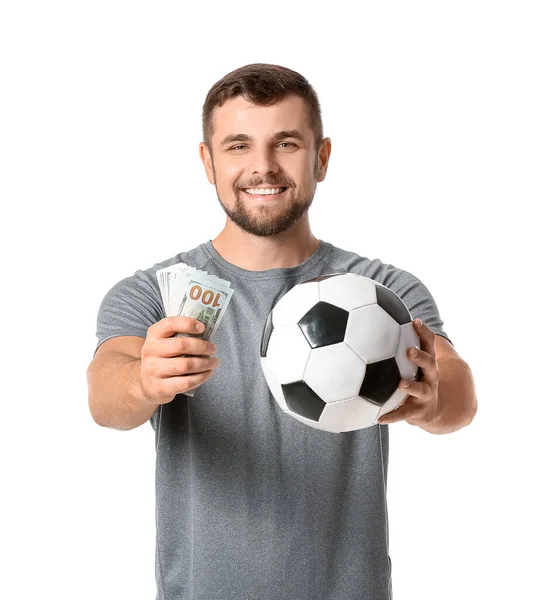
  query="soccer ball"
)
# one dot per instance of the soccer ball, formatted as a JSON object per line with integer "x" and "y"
{"x": 333, "y": 352}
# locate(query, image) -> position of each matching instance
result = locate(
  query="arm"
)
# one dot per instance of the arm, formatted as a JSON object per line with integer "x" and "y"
{"x": 130, "y": 376}
{"x": 456, "y": 395}
{"x": 115, "y": 396}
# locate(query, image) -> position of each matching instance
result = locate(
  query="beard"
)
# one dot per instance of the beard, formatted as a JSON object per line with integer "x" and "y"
{"x": 267, "y": 219}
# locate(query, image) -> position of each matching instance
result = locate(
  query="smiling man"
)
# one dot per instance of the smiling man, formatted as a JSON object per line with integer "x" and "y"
{"x": 271, "y": 196}
{"x": 251, "y": 503}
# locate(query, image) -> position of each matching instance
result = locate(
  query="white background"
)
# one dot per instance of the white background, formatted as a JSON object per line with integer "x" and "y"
{"x": 440, "y": 118}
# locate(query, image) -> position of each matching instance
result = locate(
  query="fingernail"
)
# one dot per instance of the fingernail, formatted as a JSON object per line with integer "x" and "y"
{"x": 200, "y": 326}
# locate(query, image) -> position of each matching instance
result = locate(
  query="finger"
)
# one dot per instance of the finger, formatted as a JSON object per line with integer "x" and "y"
{"x": 169, "y": 347}
{"x": 427, "y": 337}
{"x": 179, "y": 385}
{"x": 182, "y": 365}
{"x": 405, "y": 411}
{"x": 417, "y": 389}
{"x": 426, "y": 362}
{"x": 168, "y": 326}
{"x": 196, "y": 380}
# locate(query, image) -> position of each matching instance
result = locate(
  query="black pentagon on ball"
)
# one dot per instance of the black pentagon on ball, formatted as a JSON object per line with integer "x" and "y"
{"x": 302, "y": 400}
{"x": 268, "y": 329}
{"x": 381, "y": 381}
{"x": 392, "y": 305}
{"x": 324, "y": 324}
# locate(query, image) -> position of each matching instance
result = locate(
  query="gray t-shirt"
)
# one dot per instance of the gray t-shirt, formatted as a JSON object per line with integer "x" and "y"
{"x": 251, "y": 504}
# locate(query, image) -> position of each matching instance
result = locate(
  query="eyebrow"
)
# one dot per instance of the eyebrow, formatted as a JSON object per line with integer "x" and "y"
{"x": 281, "y": 135}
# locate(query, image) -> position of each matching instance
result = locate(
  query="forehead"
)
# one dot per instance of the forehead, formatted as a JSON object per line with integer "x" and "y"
{"x": 238, "y": 115}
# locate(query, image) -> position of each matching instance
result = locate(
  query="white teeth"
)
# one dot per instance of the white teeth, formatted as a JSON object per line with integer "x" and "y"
{"x": 264, "y": 192}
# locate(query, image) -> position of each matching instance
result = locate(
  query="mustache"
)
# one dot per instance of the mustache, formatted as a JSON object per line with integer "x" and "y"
{"x": 287, "y": 183}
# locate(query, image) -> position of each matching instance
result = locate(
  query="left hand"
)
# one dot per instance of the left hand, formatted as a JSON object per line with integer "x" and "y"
{"x": 422, "y": 406}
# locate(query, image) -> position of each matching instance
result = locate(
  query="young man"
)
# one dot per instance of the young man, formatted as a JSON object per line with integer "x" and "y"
{"x": 250, "y": 502}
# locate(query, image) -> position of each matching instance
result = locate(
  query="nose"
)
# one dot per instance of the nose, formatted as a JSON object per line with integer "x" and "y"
{"x": 264, "y": 162}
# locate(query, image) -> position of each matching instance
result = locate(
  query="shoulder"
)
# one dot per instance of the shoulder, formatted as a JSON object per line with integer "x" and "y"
{"x": 134, "y": 303}
{"x": 409, "y": 287}
{"x": 385, "y": 273}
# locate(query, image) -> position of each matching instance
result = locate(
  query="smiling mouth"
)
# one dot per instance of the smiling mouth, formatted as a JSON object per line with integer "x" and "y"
{"x": 268, "y": 192}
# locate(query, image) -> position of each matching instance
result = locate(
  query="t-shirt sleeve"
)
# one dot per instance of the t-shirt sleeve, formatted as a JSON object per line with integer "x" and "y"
{"x": 416, "y": 296}
{"x": 130, "y": 307}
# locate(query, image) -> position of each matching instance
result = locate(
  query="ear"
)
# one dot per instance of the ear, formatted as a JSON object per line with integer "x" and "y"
{"x": 324, "y": 158}
{"x": 207, "y": 161}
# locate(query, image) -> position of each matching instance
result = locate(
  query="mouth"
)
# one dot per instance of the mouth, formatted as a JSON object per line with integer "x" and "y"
{"x": 265, "y": 193}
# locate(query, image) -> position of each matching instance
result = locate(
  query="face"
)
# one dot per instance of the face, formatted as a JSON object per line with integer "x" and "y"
{"x": 264, "y": 163}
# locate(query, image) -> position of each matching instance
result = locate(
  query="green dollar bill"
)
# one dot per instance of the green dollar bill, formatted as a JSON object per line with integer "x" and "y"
{"x": 206, "y": 302}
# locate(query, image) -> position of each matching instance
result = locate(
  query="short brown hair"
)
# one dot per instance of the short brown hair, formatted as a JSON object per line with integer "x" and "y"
{"x": 261, "y": 84}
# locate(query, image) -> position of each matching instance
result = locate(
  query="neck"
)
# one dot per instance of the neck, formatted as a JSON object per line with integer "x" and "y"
{"x": 255, "y": 253}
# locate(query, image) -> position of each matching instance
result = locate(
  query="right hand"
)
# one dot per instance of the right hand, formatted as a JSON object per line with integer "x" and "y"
{"x": 164, "y": 372}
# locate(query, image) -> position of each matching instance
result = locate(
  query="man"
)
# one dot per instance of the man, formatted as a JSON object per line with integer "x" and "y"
{"x": 250, "y": 502}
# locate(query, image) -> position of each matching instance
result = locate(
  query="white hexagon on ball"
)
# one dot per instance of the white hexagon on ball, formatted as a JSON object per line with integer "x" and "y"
{"x": 349, "y": 415}
{"x": 334, "y": 372}
{"x": 408, "y": 339}
{"x": 293, "y": 305}
{"x": 288, "y": 352}
{"x": 372, "y": 333}
{"x": 348, "y": 291}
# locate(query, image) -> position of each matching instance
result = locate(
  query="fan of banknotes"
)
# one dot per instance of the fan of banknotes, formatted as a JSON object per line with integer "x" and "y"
{"x": 189, "y": 292}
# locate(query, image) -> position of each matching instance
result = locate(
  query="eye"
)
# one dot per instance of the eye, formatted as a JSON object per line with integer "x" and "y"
{"x": 237, "y": 147}
{"x": 289, "y": 144}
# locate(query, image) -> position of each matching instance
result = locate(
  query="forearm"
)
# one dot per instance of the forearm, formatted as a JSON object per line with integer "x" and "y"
{"x": 115, "y": 396}
{"x": 457, "y": 396}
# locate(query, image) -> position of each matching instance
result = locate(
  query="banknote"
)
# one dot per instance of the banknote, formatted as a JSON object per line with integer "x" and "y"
{"x": 190, "y": 292}
{"x": 172, "y": 282}
{"x": 206, "y": 301}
